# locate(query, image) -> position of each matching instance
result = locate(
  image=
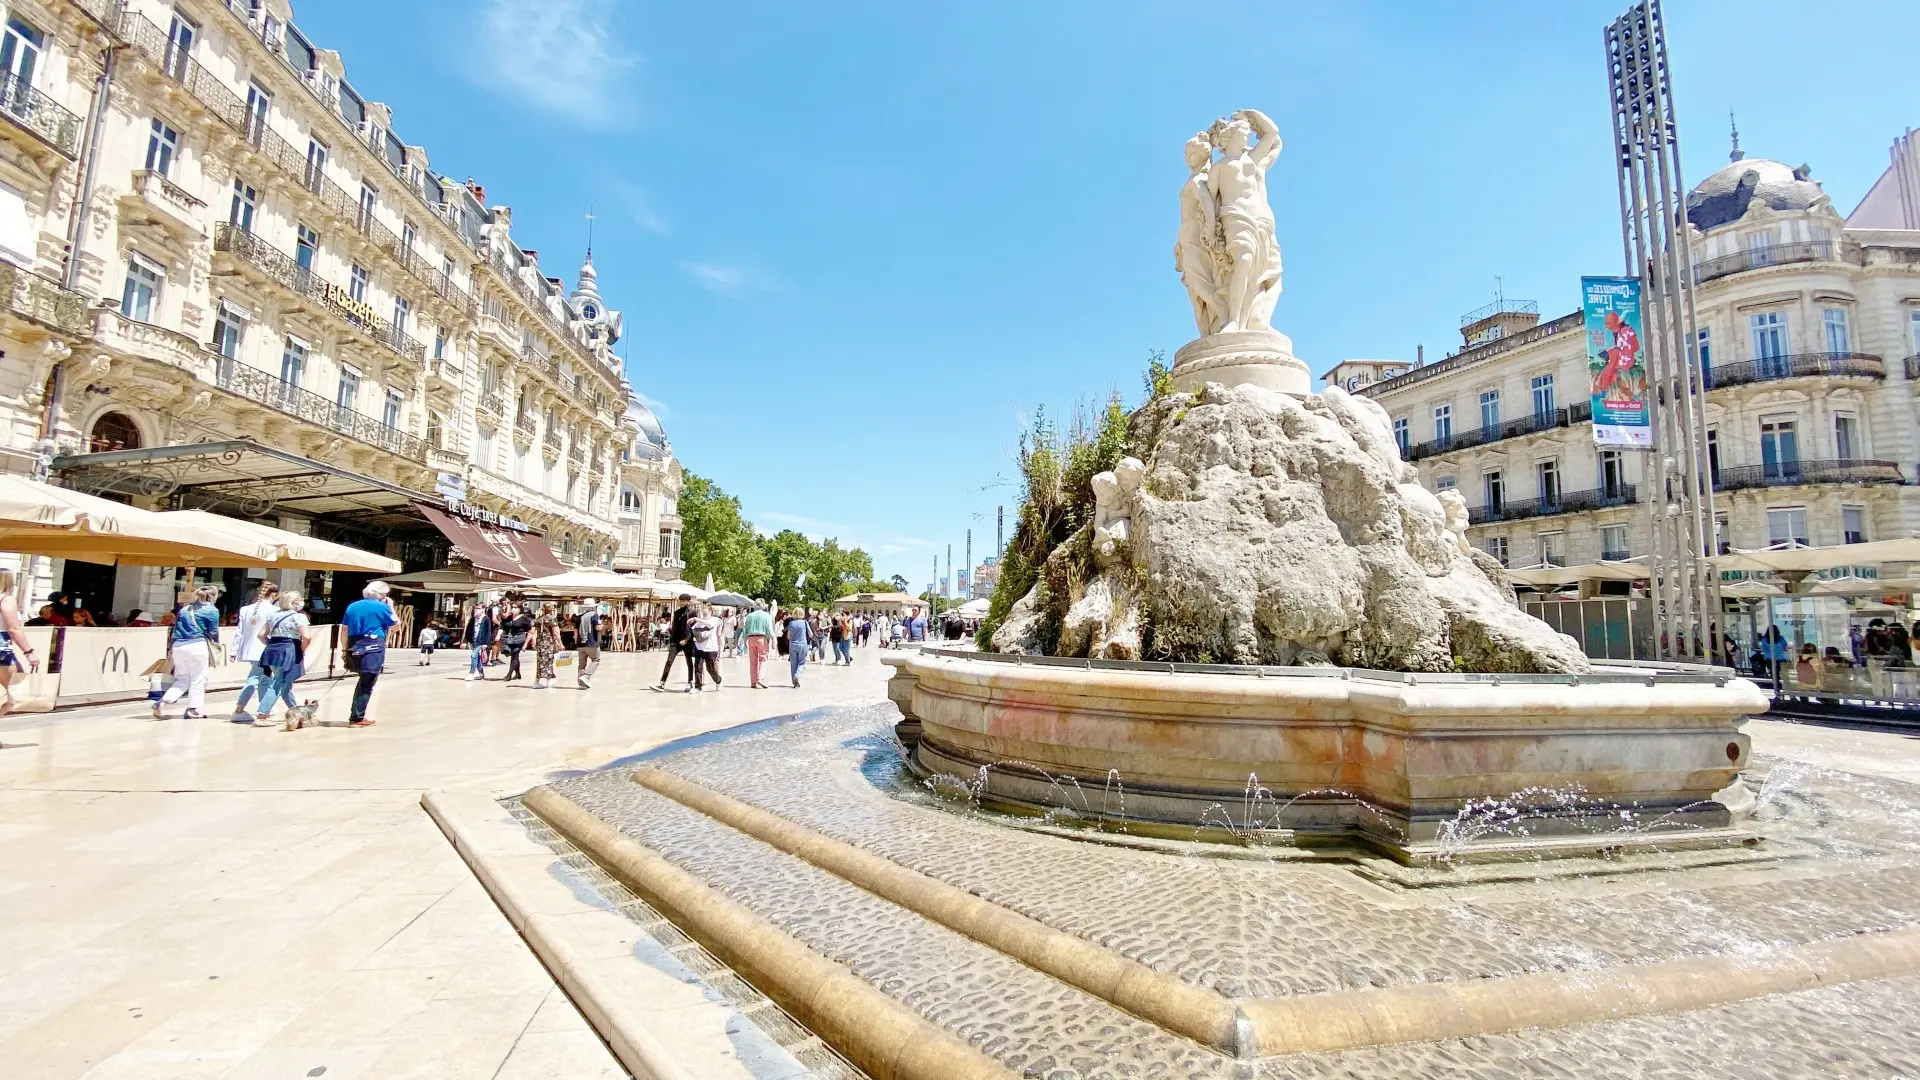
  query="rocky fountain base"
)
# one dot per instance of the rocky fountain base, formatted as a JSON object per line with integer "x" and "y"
{"x": 1339, "y": 661}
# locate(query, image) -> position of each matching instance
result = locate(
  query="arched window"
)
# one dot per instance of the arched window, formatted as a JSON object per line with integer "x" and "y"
{"x": 114, "y": 431}
{"x": 587, "y": 554}
{"x": 629, "y": 501}
{"x": 566, "y": 545}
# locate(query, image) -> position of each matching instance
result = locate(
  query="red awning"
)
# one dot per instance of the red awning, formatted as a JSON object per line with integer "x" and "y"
{"x": 495, "y": 551}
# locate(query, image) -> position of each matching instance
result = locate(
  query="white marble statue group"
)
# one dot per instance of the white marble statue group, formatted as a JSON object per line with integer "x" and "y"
{"x": 1227, "y": 254}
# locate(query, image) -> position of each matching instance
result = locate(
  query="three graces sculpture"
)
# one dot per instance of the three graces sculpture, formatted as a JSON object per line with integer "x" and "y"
{"x": 1227, "y": 253}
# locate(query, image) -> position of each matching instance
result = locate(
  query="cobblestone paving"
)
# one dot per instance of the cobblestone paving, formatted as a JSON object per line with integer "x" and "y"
{"x": 1272, "y": 929}
{"x": 1249, "y": 927}
{"x": 1027, "y": 1021}
{"x": 1857, "y": 1030}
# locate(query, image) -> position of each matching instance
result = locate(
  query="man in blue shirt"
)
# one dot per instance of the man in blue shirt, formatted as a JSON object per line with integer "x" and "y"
{"x": 366, "y": 622}
{"x": 797, "y": 642}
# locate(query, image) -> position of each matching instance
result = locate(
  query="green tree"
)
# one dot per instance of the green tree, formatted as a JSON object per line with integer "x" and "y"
{"x": 899, "y": 583}
{"x": 786, "y": 555}
{"x": 715, "y": 539}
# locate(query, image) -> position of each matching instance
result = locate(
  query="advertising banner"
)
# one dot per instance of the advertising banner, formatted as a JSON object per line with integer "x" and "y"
{"x": 1616, "y": 364}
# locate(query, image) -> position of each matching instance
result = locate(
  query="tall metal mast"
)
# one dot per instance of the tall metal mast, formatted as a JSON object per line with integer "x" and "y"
{"x": 1675, "y": 482}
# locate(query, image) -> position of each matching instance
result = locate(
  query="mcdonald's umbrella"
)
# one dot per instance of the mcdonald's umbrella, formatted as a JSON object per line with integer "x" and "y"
{"x": 1749, "y": 589}
{"x": 40, "y": 519}
{"x": 589, "y": 582}
{"x": 1604, "y": 570}
{"x": 291, "y": 550}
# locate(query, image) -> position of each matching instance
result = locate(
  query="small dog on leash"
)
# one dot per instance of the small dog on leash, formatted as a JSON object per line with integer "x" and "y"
{"x": 301, "y": 715}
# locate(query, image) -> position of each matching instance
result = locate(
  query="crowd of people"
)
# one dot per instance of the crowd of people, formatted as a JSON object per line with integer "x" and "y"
{"x": 697, "y": 634}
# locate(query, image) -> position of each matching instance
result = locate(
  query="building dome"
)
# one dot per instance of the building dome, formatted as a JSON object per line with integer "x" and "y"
{"x": 1724, "y": 197}
{"x": 651, "y": 444}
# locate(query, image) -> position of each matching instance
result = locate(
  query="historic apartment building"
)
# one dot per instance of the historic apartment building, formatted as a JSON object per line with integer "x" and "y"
{"x": 230, "y": 282}
{"x": 649, "y": 500}
{"x": 1809, "y": 329}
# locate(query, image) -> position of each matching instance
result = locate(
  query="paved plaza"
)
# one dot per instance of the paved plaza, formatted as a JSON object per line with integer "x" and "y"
{"x": 203, "y": 899}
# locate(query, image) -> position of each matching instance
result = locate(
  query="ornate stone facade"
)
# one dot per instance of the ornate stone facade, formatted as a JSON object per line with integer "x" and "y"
{"x": 1810, "y": 330}
{"x": 262, "y": 257}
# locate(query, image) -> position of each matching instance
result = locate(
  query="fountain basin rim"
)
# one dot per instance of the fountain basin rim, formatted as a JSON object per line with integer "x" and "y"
{"x": 1619, "y": 672}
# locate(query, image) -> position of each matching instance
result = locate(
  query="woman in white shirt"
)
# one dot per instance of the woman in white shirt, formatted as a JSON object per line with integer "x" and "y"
{"x": 705, "y": 630}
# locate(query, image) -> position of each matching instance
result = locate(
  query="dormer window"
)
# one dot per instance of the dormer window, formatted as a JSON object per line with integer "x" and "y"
{"x": 589, "y": 311}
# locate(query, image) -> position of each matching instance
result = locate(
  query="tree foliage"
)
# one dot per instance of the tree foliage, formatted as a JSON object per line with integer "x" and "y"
{"x": 715, "y": 539}
{"x": 830, "y": 570}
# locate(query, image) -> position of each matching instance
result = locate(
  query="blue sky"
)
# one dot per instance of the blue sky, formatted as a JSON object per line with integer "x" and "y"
{"x": 857, "y": 244}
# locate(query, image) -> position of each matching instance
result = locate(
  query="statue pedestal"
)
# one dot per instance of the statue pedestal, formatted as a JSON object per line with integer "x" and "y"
{"x": 1260, "y": 357}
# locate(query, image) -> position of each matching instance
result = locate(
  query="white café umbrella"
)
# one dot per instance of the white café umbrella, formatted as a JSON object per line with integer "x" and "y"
{"x": 588, "y": 583}
{"x": 292, "y": 550}
{"x": 1807, "y": 559}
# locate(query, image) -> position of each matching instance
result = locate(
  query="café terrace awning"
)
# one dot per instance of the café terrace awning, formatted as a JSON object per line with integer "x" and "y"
{"x": 246, "y": 479}
{"x": 243, "y": 478}
{"x": 498, "y": 552}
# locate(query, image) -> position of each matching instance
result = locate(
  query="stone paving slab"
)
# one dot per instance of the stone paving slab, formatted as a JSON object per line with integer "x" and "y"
{"x": 1272, "y": 929}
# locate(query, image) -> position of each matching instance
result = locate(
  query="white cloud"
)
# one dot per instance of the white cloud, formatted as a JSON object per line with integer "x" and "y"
{"x": 655, "y": 406}
{"x": 557, "y": 55}
{"x": 726, "y": 280}
{"x": 634, "y": 203}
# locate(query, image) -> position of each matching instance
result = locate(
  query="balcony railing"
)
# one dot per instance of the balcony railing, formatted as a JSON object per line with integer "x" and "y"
{"x": 1808, "y": 471}
{"x": 525, "y": 427}
{"x": 1567, "y": 502}
{"x": 1797, "y": 365}
{"x": 1760, "y": 258}
{"x": 43, "y": 300}
{"x": 577, "y": 455}
{"x": 40, "y": 115}
{"x": 215, "y": 95}
{"x": 1480, "y": 436}
{"x": 257, "y": 29}
{"x": 551, "y": 440}
{"x": 284, "y": 269}
{"x": 1477, "y": 353}
{"x": 267, "y": 389}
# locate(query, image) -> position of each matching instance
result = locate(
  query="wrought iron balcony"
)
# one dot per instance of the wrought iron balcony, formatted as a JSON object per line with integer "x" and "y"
{"x": 180, "y": 67}
{"x": 43, "y": 300}
{"x": 525, "y": 427}
{"x": 1464, "y": 357}
{"x": 491, "y": 403}
{"x": 287, "y": 272}
{"x": 1808, "y": 471}
{"x": 1855, "y": 365}
{"x": 577, "y": 454}
{"x": 1566, "y": 502}
{"x": 1480, "y": 436}
{"x": 40, "y": 116}
{"x": 267, "y": 389}
{"x": 1760, "y": 258}
{"x": 551, "y": 440}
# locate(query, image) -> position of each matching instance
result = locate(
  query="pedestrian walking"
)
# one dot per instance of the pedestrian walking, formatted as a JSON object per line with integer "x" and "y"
{"x": 816, "y": 641}
{"x": 757, "y": 630}
{"x": 248, "y": 645}
{"x": 589, "y": 632}
{"x": 546, "y": 644}
{"x": 678, "y": 642}
{"x": 480, "y": 635}
{"x": 16, "y": 656}
{"x": 429, "y": 637}
{"x": 797, "y": 641}
{"x": 196, "y": 630}
{"x": 704, "y": 628}
{"x": 514, "y": 631}
{"x": 366, "y": 622}
{"x": 283, "y": 642}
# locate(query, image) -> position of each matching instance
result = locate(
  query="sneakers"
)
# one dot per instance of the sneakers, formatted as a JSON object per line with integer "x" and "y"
{"x": 362, "y": 722}
{"x": 585, "y": 683}
{"x": 658, "y": 688}
{"x": 193, "y": 714}
{"x": 472, "y": 675}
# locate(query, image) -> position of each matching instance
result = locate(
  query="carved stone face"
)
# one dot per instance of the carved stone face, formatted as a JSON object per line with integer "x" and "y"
{"x": 1199, "y": 152}
{"x": 1232, "y": 137}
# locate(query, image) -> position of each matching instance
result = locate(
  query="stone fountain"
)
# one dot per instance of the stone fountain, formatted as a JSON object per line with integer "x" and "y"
{"x": 1285, "y": 759}
{"x": 1347, "y": 653}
